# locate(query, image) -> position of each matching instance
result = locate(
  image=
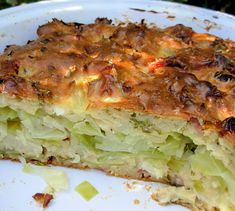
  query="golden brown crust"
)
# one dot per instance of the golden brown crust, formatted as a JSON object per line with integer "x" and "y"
{"x": 169, "y": 72}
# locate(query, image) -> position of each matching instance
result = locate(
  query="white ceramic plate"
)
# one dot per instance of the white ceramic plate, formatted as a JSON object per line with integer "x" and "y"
{"x": 19, "y": 24}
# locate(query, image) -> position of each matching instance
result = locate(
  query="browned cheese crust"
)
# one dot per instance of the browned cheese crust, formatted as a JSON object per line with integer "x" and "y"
{"x": 167, "y": 72}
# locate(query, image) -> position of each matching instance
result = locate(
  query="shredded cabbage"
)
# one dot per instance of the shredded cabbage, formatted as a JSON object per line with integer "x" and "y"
{"x": 39, "y": 131}
{"x": 7, "y": 113}
{"x": 156, "y": 168}
{"x": 208, "y": 165}
{"x": 56, "y": 179}
{"x": 114, "y": 140}
{"x": 174, "y": 145}
{"x": 88, "y": 127}
{"x": 3, "y": 130}
{"x": 86, "y": 190}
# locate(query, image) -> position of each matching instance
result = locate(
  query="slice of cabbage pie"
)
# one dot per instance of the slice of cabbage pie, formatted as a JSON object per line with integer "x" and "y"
{"x": 132, "y": 100}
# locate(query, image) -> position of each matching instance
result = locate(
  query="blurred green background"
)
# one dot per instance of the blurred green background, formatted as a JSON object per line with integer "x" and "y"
{"x": 221, "y": 5}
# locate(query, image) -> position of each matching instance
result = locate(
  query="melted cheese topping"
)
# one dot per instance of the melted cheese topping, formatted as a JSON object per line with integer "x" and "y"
{"x": 172, "y": 71}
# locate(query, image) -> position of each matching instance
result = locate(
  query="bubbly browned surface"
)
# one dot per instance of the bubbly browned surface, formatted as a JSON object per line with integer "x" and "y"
{"x": 172, "y": 71}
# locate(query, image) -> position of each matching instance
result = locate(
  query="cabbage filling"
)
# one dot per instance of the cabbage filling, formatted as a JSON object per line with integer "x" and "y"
{"x": 123, "y": 143}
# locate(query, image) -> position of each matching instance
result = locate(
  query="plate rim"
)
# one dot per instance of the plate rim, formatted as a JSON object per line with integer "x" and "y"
{"x": 24, "y": 7}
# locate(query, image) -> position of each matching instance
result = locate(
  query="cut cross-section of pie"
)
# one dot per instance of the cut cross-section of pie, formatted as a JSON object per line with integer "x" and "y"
{"x": 132, "y": 100}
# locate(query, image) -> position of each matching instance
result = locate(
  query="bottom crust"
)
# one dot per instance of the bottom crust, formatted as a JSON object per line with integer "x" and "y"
{"x": 199, "y": 206}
